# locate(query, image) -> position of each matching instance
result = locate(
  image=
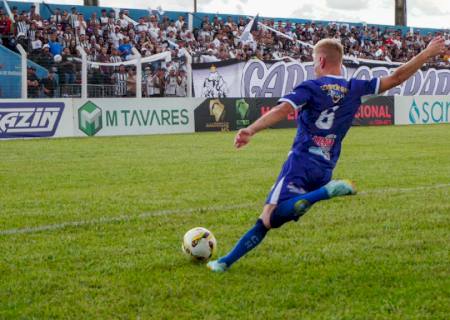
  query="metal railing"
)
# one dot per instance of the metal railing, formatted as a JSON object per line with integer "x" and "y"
{"x": 87, "y": 90}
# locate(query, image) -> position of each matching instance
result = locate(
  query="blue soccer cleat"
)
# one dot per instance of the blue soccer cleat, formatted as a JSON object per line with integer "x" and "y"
{"x": 216, "y": 266}
{"x": 337, "y": 188}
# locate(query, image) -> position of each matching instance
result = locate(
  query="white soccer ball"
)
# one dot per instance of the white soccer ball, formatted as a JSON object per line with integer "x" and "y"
{"x": 57, "y": 58}
{"x": 199, "y": 243}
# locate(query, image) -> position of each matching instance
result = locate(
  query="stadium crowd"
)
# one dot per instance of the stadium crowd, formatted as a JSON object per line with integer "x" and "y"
{"x": 110, "y": 37}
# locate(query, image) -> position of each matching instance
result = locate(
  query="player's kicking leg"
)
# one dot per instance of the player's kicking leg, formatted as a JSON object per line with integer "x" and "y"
{"x": 274, "y": 216}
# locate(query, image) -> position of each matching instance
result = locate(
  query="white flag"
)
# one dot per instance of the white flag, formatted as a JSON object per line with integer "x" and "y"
{"x": 246, "y": 35}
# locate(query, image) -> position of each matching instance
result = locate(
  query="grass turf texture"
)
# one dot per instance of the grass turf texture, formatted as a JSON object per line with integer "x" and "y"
{"x": 373, "y": 256}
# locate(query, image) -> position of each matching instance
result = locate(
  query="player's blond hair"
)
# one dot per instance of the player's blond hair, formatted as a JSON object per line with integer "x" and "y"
{"x": 331, "y": 48}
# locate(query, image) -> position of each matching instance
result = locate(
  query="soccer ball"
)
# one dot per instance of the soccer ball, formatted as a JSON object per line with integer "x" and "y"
{"x": 199, "y": 243}
{"x": 57, "y": 58}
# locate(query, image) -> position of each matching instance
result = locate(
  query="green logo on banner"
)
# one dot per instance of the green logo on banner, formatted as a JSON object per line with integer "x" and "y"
{"x": 242, "y": 112}
{"x": 90, "y": 118}
{"x": 242, "y": 108}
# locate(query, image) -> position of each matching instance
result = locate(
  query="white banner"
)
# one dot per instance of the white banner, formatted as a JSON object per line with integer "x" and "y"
{"x": 422, "y": 109}
{"x": 40, "y": 118}
{"x": 115, "y": 117}
{"x": 255, "y": 78}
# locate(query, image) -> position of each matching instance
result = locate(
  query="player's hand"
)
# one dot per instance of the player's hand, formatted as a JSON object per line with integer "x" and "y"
{"x": 436, "y": 47}
{"x": 243, "y": 137}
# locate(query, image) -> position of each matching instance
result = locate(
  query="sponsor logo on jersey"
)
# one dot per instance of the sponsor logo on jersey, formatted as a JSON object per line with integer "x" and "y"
{"x": 324, "y": 145}
{"x": 325, "y": 142}
{"x": 335, "y": 91}
{"x": 29, "y": 119}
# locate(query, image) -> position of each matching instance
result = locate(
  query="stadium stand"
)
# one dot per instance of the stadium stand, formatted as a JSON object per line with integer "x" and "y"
{"x": 109, "y": 35}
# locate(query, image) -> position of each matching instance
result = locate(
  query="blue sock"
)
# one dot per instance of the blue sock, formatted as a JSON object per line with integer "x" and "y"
{"x": 286, "y": 210}
{"x": 248, "y": 241}
{"x": 312, "y": 197}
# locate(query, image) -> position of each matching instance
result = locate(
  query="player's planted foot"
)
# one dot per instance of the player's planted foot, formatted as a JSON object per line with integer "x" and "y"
{"x": 216, "y": 266}
{"x": 337, "y": 188}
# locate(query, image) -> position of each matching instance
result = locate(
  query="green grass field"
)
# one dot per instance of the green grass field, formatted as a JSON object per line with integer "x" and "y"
{"x": 91, "y": 229}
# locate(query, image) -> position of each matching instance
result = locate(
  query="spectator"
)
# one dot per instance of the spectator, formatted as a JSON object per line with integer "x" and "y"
{"x": 104, "y": 19}
{"x": 67, "y": 71}
{"x": 115, "y": 56}
{"x": 73, "y": 17}
{"x": 125, "y": 48}
{"x": 32, "y": 14}
{"x": 44, "y": 57}
{"x": 215, "y": 40}
{"x": 122, "y": 21}
{"x": 14, "y": 12}
{"x": 146, "y": 78}
{"x": 116, "y": 36}
{"x": 5, "y": 26}
{"x": 33, "y": 83}
{"x": 54, "y": 45}
{"x": 156, "y": 84}
{"x": 56, "y": 18}
{"x": 119, "y": 79}
{"x": 171, "y": 83}
{"x": 181, "y": 84}
{"x": 131, "y": 83}
{"x": 22, "y": 25}
{"x": 49, "y": 84}
{"x": 180, "y": 24}
{"x": 80, "y": 25}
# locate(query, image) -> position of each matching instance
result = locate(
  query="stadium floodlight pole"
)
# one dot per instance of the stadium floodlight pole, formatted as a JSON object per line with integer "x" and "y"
{"x": 92, "y": 3}
{"x": 400, "y": 13}
{"x": 195, "y": 6}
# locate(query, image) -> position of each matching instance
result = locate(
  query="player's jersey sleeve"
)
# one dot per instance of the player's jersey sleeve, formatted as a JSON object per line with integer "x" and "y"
{"x": 366, "y": 87}
{"x": 297, "y": 98}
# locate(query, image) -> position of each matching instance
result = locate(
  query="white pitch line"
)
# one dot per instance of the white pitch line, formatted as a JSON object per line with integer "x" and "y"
{"x": 124, "y": 218}
{"x": 404, "y": 190}
{"x": 121, "y": 218}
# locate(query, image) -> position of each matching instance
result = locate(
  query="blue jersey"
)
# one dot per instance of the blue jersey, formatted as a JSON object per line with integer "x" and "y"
{"x": 326, "y": 109}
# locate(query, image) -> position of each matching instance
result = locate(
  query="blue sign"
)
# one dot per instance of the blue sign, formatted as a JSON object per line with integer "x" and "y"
{"x": 10, "y": 73}
{"x": 29, "y": 119}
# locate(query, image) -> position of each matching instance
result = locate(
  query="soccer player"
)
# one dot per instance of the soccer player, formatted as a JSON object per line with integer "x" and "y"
{"x": 326, "y": 109}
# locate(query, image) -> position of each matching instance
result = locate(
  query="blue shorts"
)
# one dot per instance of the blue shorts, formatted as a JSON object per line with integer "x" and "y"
{"x": 300, "y": 174}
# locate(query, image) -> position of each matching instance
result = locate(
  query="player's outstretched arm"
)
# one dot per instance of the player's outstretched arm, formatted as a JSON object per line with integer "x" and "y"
{"x": 272, "y": 117}
{"x": 403, "y": 73}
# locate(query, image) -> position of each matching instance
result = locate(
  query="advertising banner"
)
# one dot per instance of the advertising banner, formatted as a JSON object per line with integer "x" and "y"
{"x": 375, "y": 111}
{"x": 36, "y": 118}
{"x": 115, "y": 117}
{"x": 233, "y": 114}
{"x": 422, "y": 110}
{"x": 225, "y": 114}
{"x": 265, "y": 104}
{"x": 255, "y": 78}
